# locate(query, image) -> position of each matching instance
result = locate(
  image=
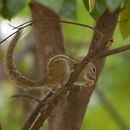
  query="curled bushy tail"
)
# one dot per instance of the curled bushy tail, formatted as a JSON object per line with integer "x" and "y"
{"x": 13, "y": 73}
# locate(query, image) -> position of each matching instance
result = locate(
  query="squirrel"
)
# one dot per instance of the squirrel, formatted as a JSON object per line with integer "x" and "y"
{"x": 60, "y": 67}
{"x": 58, "y": 71}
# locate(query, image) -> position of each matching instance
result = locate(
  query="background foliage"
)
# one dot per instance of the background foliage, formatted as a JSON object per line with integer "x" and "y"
{"x": 114, "y": 80}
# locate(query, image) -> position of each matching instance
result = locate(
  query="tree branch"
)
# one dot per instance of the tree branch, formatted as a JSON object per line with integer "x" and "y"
{"x": 112, "y": 51}
{"x": 35, "y": 112}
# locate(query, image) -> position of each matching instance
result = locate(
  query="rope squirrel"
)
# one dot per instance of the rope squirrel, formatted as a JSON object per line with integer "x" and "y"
{"x": 59, "y": 68}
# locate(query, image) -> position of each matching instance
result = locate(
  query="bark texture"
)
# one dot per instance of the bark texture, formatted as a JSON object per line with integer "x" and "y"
{"x": 106, "y": 24}
{"x": 69, "y": 113}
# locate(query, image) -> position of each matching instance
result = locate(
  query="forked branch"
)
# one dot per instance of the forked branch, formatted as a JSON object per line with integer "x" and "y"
{"x": 52, "y": 101}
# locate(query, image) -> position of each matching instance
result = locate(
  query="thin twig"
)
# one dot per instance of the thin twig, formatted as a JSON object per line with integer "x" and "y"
{"x": 13, "y": 27}
{"x": 112, "y": 51}
{"x": 28, "y": 23}
{"x": 31, "y": 22}
{"x": 8, "y": 36}
{"x": 35, "y": 112}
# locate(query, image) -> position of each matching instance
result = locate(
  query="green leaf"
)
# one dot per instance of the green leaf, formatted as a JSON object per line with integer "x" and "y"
{"x": 12, "y": 7}
{"x": 65, "y": 8}
{"x": 99, "y": 9}
{"x": 113, "y": 4}
{"x": 91, "y": 5}
{"x": 125, "y": 21}
{"x": 55, "y": 5}
{"x": 69, "y": 9}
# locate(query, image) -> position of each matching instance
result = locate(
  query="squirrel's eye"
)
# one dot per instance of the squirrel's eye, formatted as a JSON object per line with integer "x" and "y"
{"x": 94, "y": 69}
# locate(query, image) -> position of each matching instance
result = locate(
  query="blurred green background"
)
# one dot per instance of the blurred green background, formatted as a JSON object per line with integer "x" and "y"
{"x": 114, "y": 82}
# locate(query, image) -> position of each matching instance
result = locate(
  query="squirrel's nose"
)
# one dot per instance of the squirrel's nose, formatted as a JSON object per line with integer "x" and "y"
{"x": 93, "y": 77}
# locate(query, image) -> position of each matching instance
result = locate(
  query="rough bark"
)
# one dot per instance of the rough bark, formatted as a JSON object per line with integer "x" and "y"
{"x": 106, "y": 24}
{"x": 69, "y": 113}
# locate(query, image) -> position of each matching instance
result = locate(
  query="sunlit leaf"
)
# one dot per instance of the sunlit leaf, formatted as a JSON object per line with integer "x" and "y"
{"x": 99, "y": 9}
{"x": 125, "y": 21}
{"x": 65, "y": 8}
{"x": 12, "y": 7}
{"x": 91, "y": 5}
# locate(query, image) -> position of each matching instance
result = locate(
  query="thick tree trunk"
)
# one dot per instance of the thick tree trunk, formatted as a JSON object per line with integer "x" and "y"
{"x": 69, "y": 113}
{"x": 48, "y": 35}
